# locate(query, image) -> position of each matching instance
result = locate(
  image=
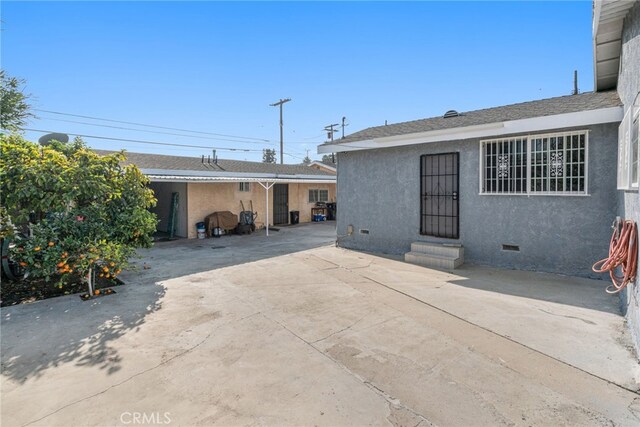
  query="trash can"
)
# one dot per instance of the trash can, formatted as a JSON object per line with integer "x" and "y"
{"x": 331, "y": 211}
{"x": 201, "y": 230}
{"x": 294, "y": 217}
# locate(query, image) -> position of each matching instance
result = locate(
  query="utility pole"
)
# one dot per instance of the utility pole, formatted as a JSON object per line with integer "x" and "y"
{"x": 344, "y": 119}
{"x": 330, "y": 130}
{"x": 279, "y": 104}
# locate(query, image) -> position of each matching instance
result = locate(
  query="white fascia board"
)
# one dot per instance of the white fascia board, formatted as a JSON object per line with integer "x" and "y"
{"x": 223, "y": 175}
{"x": 597, "y": 9}
{"x": 221, "y": 180}
{"x": 523, "y": 126}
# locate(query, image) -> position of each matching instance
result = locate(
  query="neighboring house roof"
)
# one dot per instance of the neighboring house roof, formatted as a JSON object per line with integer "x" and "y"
{"x": 174, "y": 168}
{"x": 567, "y": 111}
{"x": 322, "y": 165}
{"x": 608, "y": 20}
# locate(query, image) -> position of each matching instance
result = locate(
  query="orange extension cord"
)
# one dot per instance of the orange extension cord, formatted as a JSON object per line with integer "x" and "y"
{"x": 623, "y": 252}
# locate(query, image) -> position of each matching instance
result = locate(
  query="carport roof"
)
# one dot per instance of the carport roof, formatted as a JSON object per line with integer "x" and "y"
{"x": 164, "y": 168}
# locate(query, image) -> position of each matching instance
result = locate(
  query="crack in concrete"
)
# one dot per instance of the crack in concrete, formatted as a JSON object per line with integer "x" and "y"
{"x": 589, "y": 322}
{"x": 377, "y": 390}
{"x": 341, "y": 330}
{"x": 162, "y": 363}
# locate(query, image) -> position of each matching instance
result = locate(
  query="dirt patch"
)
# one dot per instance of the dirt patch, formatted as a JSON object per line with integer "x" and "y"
{"x": 28, "y": 291}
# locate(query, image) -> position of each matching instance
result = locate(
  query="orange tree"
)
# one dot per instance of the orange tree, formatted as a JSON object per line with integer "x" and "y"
{"x": 78, "y": 212}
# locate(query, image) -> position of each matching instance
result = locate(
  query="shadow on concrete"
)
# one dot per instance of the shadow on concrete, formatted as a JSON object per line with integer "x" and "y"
{"x": 573, "y": 291}
{"x": 550, "y": 287}
{"x": 169, "y": 260}
{"x": 61, "y": 330}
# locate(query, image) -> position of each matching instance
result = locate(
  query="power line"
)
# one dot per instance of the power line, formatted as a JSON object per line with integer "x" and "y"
{"x": 149, "y": 142}
{"x": 160, "y": 132}
{"x": 151, "y": 126}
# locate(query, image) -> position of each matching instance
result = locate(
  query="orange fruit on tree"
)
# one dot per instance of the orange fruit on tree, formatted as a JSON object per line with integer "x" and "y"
{"x": 112, "y": 264}
{"x": 96, "y": 292}
{"x": 23, "y": 264}
{"x": 51, "y": 244}
{"x": 105, "y": 269}
{"x": 60, "y": 264}
{"x": 36, "y": 249}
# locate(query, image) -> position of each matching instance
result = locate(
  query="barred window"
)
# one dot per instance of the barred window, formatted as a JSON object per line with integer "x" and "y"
{"x": 558, "y": 163}
{"x": 537, "y": 164}
{"x": 505, "y": 165}
{"x": 318, "y": 196}
{"x": 244, "y": 186}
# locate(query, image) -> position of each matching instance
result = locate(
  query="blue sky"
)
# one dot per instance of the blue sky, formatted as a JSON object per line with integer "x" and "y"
{"x": 216, "y": 67}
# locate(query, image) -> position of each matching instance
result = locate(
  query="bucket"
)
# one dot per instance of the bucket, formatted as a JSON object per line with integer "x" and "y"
{"x": 201, "y": 230}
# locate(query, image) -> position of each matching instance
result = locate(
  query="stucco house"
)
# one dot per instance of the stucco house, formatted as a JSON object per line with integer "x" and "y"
{"x": 204, "y": 186}
{"x": 534, "y": 185}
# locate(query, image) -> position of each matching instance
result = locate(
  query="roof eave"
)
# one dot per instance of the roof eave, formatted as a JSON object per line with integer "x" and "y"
{"x": 608, "y": 20}
{"x": 231, "y": 175}
{"x": 522, "y": 126}
{"x": 222, "y": 180}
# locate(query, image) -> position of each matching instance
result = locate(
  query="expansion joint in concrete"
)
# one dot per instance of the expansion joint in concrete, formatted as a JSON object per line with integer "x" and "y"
{"x": 390, "y": 400}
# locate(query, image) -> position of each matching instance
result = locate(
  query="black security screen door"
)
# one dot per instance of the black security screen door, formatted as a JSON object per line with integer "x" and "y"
{"x": 439, "y": 195}
{"x": 280, "y": 204}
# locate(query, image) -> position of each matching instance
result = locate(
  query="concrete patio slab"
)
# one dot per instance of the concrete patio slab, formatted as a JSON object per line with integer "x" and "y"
{"x": 259, "y": 332}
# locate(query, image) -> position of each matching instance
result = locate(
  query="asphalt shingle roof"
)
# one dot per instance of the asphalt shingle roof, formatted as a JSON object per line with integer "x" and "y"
{"x": 172, "y": 163}
{"x": 525, "y": 110}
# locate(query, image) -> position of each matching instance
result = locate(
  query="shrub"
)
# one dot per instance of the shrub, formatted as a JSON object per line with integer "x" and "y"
{"x": 70, "y": 210}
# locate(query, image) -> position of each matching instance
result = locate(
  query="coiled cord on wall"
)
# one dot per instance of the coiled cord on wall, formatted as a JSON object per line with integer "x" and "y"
{"x": 623, "y": 253}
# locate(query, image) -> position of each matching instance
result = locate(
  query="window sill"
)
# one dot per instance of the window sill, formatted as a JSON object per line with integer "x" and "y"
{"x": 537, "y": 194}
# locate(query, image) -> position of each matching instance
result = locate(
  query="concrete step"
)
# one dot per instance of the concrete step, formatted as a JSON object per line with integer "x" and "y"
{"x": 441, "y": 262}
{"x": 451, "y": 251}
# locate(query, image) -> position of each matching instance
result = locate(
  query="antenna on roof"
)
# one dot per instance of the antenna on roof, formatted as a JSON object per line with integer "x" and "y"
{"x": 575, "y": 83}
{"x": 215, "y": 157}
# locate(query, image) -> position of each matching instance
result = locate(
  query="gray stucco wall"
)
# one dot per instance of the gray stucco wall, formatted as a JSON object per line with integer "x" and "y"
{"x": 629, "y": 202}
{"x": 379, "y": 190}
{"x": 163, "y": 192}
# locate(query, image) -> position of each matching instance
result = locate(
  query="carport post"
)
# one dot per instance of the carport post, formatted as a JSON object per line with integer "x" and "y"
{"x": 266, "y": 187}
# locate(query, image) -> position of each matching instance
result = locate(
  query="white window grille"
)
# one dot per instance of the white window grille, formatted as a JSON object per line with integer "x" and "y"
{"x": 628, "y": 148}
{"x": 318, "y": 196}
{"x": 553, "y": 164}
{"x": 244, "y": 186}
{"x": 635, "y": 131}
{"x": 504, "y": 165}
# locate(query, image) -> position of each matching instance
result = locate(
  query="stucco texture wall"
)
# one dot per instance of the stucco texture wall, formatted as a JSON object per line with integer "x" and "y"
{"x": 379, "y": 190}
{"x": 629, "y": 201}
{"x": 206, "y": 198}
{"x": 162, "y": 191}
